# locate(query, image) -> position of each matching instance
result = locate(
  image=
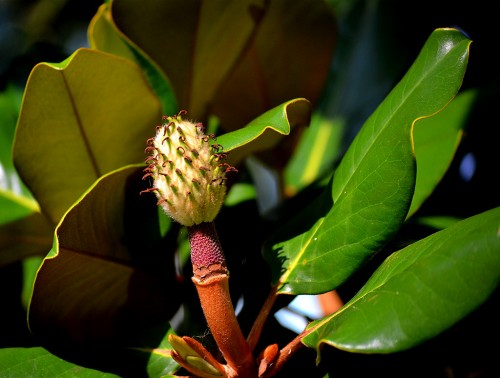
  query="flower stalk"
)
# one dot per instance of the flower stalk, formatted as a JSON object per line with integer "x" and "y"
{"x": 211, "y": 279}
{"x": 189, "y": 181}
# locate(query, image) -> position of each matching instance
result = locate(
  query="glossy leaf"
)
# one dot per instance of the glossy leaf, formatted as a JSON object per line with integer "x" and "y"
{"x": 419, "y": 291}
{"x": 38, "y": 362}
{"x": 436, "y": 141}
{"x": 110, "y": 272}
{"x": 373, "y": 185}
{"x": 233, "y": 59}
{"x": 79, "y": 120}
{"x": 267, "y": 130}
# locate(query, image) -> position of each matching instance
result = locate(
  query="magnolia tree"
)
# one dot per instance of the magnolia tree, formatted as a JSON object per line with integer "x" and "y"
{"x": 200, "y": 165}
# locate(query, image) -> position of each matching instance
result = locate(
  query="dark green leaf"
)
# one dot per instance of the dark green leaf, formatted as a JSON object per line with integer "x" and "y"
{"x": 373, "y": 185}
{"x": 38, "y": 362}
{"x": 419, "y": 291}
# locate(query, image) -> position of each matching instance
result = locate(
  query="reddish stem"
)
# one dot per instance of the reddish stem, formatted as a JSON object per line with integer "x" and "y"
{"x": 211, "y": 278}
{"x": 255, "y": 332}
{"x": 285, "y": 354}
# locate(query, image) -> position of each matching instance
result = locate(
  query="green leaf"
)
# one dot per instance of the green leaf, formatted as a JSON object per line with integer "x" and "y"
{"x": 111, "y": 271}
{"x": 373, "y": 185}
{"x": 103, "y": 35}
{"x": 267, "y": 130}
{"x": 38, "y": 362}
{"x": 419, "y": 291}
{"x": 79, "y": 120}
{"x": 436, "y": 140}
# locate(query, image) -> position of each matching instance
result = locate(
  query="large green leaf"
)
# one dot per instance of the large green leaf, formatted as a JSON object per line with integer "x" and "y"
{"x": 436, "y": 141}
{"x": 373, "y": 185}
{"x": 234, "y": 58}
{"x": 79, "y": 120}
{"x": 111, "y": 272}
{"x": 419, "y": 291}
{"x": 142, "y": 360}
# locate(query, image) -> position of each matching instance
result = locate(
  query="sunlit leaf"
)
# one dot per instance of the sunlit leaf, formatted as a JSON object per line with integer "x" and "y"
{"x": 79, "y": 120}
{"x": 267, "y": 130}
{"x": 373, "y": 185}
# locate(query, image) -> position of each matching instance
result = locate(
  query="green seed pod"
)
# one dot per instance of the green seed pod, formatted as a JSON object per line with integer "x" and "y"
{"x": 188, "y": 172}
